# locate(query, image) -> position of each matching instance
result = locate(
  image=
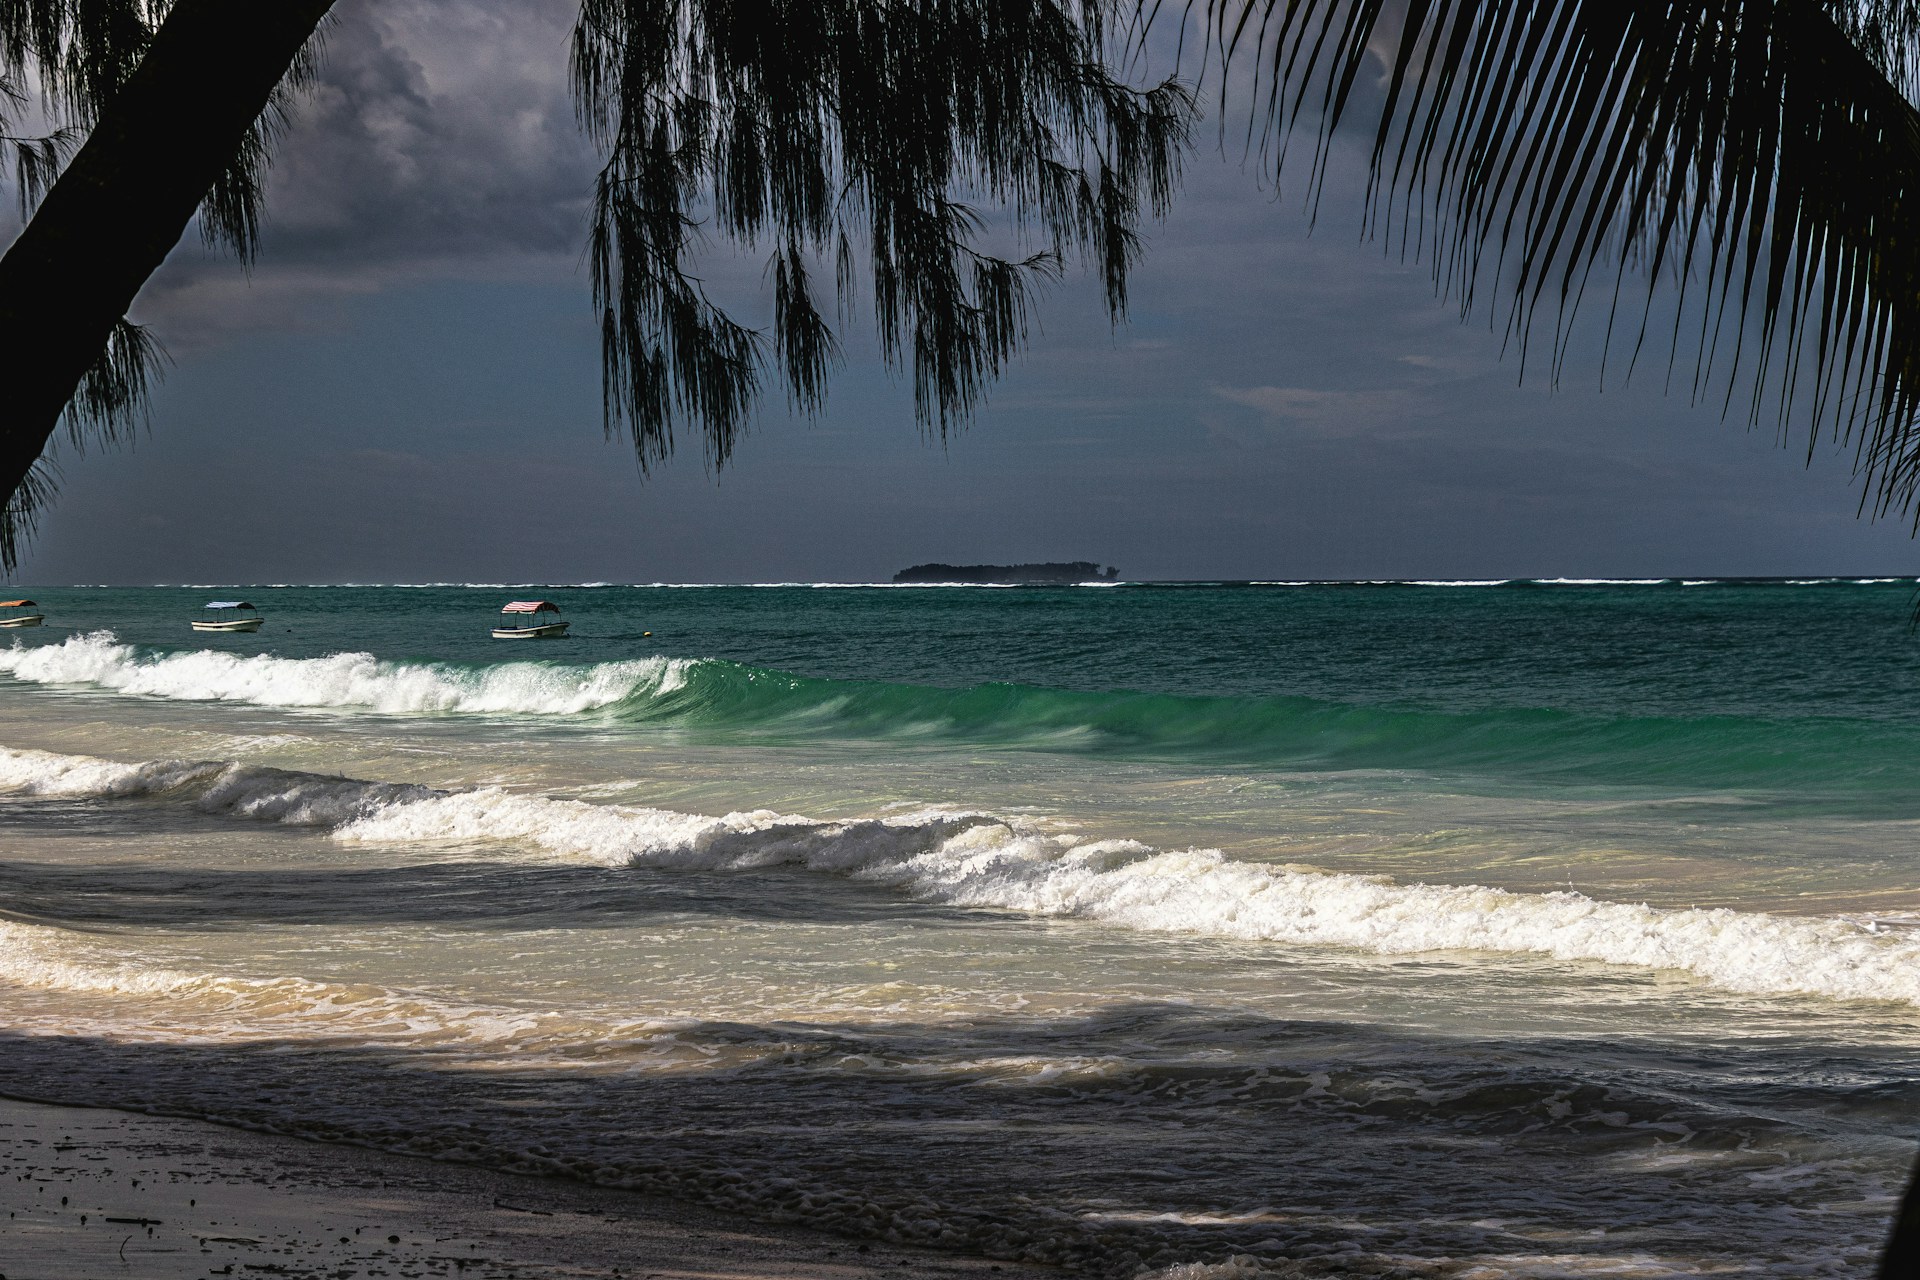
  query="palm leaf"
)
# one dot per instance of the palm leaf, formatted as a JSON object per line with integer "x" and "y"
{"x": 1761, "y": 153}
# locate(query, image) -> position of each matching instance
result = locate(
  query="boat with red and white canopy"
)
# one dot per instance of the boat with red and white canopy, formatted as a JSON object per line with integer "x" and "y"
{"x": 525, "y": 621}
{"x": 31, "y": 618}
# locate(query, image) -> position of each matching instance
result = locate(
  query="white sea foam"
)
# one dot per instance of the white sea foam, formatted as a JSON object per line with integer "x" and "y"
{"x": 39, "y": 956}
{"x": 975, "y": 860}
{"x": 1238, "y": 1267}
{"x": 45, "y": 773}
{"x": 224, "y": 1006}
{"x": 356, "y": 681}
{"x": 1458, "y": 582}
{"x": 212, "y": 786}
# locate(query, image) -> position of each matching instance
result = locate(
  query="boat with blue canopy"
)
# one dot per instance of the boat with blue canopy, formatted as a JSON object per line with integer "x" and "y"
{"x": 526, "y": 621}
{"x": 228, "y": 616}
{"x": 31, "y": 618}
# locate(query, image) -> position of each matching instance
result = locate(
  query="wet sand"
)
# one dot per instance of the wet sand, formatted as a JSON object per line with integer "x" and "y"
{"x": 94, "y": 1193}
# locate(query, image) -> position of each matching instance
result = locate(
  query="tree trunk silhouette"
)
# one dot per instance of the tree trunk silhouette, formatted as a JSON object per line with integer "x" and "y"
{"x": 122, "y": 204}
{"x": 1901, "y": 1258}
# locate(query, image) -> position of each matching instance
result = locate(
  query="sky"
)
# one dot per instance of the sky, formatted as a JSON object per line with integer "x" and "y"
{"x": 405, "y": 388}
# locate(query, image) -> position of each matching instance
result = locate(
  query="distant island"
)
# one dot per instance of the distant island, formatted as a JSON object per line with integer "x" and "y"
{"x": 1017, "y": 574}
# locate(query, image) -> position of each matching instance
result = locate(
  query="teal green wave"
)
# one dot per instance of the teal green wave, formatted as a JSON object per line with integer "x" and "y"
{"x": 1298, "y": 733}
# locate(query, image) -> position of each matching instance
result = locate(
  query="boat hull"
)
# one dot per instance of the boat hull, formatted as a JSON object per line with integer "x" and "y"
{"x": 237, "y": 624}
{"x": 545, "y": 631}
{"x": 24, "y": 620}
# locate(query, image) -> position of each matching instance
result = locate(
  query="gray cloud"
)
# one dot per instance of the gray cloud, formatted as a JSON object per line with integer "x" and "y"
{"x": 435, "y": 130}
{"x": 416, "y": 347}
{"x": 439, "y": 141}
{"x": 1329, "y": 412}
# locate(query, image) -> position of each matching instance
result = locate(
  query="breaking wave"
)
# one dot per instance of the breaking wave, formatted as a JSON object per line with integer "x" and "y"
{"x": 976, "y": 860}
{"x": 47, "y": 957}
{"x": 346, "y": 681}
{"x": 1804, "y": 755}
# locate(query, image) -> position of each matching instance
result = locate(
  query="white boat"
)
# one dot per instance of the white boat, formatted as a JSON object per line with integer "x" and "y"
{"x": 227, "y": 618}
{"x": 32, "y": 618}
{"x": 532, "y": 628}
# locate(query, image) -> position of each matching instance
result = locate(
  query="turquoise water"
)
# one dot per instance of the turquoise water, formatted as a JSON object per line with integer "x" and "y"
{"x": 1807, "y": 687}
{"x": 1540, "y": 928}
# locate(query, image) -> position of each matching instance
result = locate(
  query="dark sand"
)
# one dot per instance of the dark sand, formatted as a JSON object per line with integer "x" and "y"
{"x": 95, "y": 1193}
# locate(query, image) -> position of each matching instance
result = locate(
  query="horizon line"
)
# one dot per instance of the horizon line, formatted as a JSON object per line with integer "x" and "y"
{"x": 1853, "y": 579}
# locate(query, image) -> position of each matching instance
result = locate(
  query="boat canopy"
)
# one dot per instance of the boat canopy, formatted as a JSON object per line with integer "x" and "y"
{"x": 18, "y": 604}
{"x": 532, "y": 606}
{"x": 228, "y": 604}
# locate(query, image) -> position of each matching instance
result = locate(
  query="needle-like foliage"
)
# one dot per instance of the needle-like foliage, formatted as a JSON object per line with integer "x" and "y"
{"x": 109, "y": 404}
{"x": 37, "y": 158}
{"x": 848, "y": 140}
{"x": 851, "y": 139}
{"x": 1763, "y": 153}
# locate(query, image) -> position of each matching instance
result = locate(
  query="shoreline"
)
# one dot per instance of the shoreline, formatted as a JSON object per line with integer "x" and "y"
{"x": 92, "y": 1192}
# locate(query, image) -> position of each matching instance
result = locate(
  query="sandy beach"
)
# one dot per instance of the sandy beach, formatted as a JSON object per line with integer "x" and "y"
{"x": 91, "y": 1193}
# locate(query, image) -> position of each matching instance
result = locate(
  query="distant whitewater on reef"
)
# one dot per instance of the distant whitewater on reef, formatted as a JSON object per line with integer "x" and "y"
{"x": 1545, "y": 928}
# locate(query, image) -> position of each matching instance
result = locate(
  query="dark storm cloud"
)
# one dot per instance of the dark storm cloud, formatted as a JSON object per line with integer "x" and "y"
{"x": 416, "y": 352}
{"x": 435, "y": 130}
{"x": 438, "y": 141}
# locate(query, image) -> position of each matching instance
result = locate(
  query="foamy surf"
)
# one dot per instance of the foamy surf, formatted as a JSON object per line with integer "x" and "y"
{"x": 216, "y": 1007}
{"x": 349, "y": 681}
{"x": 981, "y": 861}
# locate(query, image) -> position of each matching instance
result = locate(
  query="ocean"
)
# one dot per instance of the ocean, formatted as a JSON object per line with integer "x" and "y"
{"x": 1516, "y": 929}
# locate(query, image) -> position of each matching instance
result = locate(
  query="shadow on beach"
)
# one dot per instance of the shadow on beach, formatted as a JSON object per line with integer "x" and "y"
{"x": 1103, "y": 1143}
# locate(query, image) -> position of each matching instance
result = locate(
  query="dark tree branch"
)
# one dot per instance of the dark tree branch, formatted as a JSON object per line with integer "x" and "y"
{"x": 1901, "y": 1258}
{"x": 160, "y": 144}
